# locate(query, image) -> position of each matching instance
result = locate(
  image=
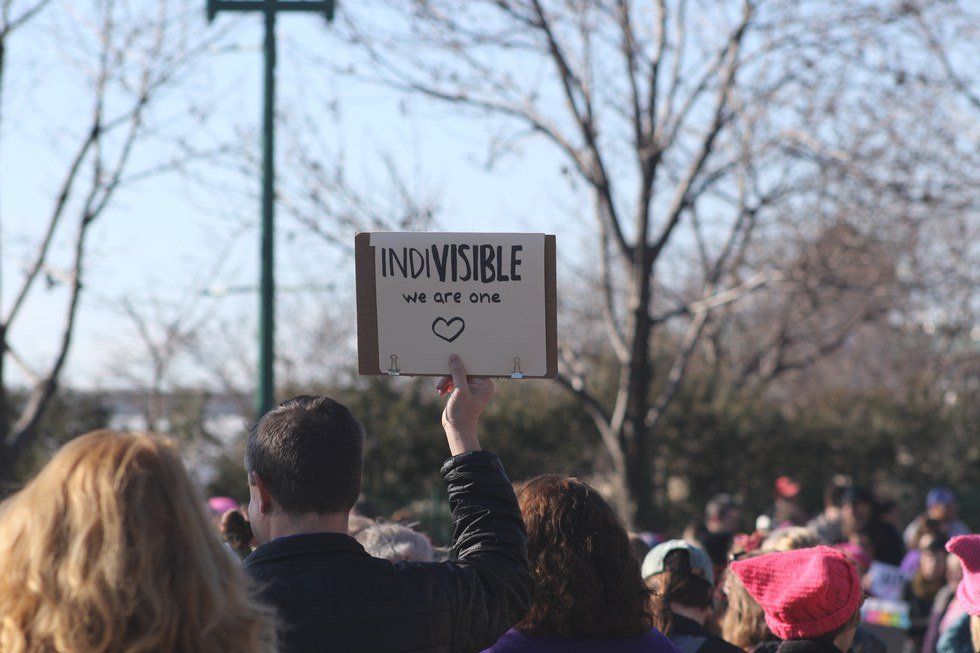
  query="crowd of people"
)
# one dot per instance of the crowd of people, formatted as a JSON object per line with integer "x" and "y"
{"x": 110, "y": 548}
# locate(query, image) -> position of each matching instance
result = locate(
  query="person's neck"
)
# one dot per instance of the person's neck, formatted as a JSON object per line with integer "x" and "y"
{"x": 283, "y": 525}
{"x": 844, "y": 640}
{"x": 694, "y": 614}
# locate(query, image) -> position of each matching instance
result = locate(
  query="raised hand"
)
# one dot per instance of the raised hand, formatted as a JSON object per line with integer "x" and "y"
{"x": 468, "y": 397}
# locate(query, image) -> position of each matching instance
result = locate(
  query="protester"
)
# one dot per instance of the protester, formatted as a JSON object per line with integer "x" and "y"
{"x": 786, "y": 509}
{"x": 722, "y": 514}
{"x": 885, "y": 537}
{"x": 237, "y": 533}
{"x": 218, "y": 506}
{"x": 857, "y": 506}
{"x": 940, "y": 507}
{"x": 796, "y": 538}
{"x": 862, "y": 525}
{"x": 929, "y": 577}
{"x": 827, "y": 525}
{"x": 926, "y": 532}
{"x": 718, "y": 546}
{"x": 303, "y": 460}
{"x": 744, "y": 624}
{"x": 109, "y": 549}
{"x": 681, "y": 577}
{"x": 589, "y": 596}
{"x": 811, "y": 598}
{"x": 964, "y": 635}
{"x": 945, "y": 607}
{"x": 395, "y": 542}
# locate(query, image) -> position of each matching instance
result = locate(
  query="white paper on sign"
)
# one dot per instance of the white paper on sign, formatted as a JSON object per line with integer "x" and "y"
{"x": 490, "y": 321}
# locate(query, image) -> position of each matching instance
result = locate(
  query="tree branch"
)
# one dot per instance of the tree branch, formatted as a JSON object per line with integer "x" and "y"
{"x": 584, "y": 118}
{"x": 681, "y": 195}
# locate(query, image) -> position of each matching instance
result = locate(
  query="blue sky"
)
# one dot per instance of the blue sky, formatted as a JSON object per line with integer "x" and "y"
{"x": 161, "y": 239}
{"x": 157, "y": 237}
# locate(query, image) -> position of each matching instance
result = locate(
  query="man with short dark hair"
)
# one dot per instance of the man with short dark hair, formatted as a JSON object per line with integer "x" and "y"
{"x": 303, "y": 460}
{"x": 940, "y": 507}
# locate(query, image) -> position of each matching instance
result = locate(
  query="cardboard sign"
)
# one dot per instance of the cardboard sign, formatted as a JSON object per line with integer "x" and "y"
{"x": 887, "y": 613}
{"x": 491, "y": 298}
{"x": 886, "y": 581}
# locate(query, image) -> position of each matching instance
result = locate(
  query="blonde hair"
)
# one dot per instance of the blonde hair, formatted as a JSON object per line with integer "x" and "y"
{"x": 790, "y": 538}
{"x": 744, "y": 623}
{"x": 108, "y": 549}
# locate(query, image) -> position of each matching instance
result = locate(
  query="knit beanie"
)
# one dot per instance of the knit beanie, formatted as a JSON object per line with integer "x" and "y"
{"x": 804, "y": 593}
{"x": 967, "y": 549}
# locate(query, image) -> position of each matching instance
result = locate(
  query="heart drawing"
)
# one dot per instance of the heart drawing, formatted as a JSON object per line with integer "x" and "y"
{"x": 449, "y": 329}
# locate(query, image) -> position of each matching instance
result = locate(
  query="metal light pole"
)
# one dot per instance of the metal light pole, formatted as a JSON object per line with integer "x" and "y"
{"x": 265, "y": 393}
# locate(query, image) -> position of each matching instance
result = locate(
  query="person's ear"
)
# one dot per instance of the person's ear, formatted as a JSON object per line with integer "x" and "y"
{"x": 265, "y": 499}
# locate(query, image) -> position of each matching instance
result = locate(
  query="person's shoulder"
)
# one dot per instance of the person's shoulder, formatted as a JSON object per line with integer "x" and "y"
{"x": 511, "y": 642}
{"x": 657, "y": 641}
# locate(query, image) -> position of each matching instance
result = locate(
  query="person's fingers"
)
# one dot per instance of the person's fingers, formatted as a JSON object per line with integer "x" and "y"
{"x": 458, "y": 371}
{"x": 481, "y": 386}
{"x": 485, "y": 389}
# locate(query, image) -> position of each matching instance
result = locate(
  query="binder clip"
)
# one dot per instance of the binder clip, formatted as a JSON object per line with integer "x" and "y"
{"x": 517, "y": 373}
{"x": 393, "y": 366}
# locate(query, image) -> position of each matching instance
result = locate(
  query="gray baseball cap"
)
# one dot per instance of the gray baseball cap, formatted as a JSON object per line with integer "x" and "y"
{"x": 653, "y": 563}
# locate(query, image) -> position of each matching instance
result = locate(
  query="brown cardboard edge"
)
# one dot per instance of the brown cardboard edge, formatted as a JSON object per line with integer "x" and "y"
{"x": 367, "y": 306}
{"x": 551, "y": 305}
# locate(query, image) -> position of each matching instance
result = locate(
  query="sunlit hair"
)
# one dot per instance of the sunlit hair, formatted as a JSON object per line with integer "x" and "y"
{"x": 108, "y": 549}
{"x": 790, "y": 538}
{"x": 744, "y": 623}
{"x": 587, "y": 581}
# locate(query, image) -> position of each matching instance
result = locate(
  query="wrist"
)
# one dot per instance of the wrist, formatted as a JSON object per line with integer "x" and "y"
{"x": 462, "y": 440}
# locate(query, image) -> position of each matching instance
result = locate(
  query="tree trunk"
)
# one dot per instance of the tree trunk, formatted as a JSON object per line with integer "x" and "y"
{"x": 637, "y": 508}
{"x": 638, "y": 475}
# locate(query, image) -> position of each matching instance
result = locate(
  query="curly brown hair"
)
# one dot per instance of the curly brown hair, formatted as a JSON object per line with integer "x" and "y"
{"x": 587, "y": 581}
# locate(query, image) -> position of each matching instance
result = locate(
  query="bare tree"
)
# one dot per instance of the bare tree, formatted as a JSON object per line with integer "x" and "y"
{"x": 651, "y": 105}
{"x": 683, "y": 120}
{"x": 318, "y": 191}
{"x": 128, "y": 59}
{"x": 13, "y": 16}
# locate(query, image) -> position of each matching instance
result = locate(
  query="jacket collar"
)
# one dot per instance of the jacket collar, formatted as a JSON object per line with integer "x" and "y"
{"x": 293, "y": 546}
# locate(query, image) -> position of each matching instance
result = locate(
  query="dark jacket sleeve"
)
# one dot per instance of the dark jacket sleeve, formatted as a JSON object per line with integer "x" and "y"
{"x": 489, "y": 584}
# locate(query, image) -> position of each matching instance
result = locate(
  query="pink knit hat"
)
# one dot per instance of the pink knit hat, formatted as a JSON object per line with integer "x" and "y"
{"x": 967, "y": 549}
{"x": 804, "y": 593}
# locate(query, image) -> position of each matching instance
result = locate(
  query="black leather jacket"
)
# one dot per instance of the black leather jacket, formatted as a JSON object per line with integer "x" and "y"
{"x": 333, "y": 597}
